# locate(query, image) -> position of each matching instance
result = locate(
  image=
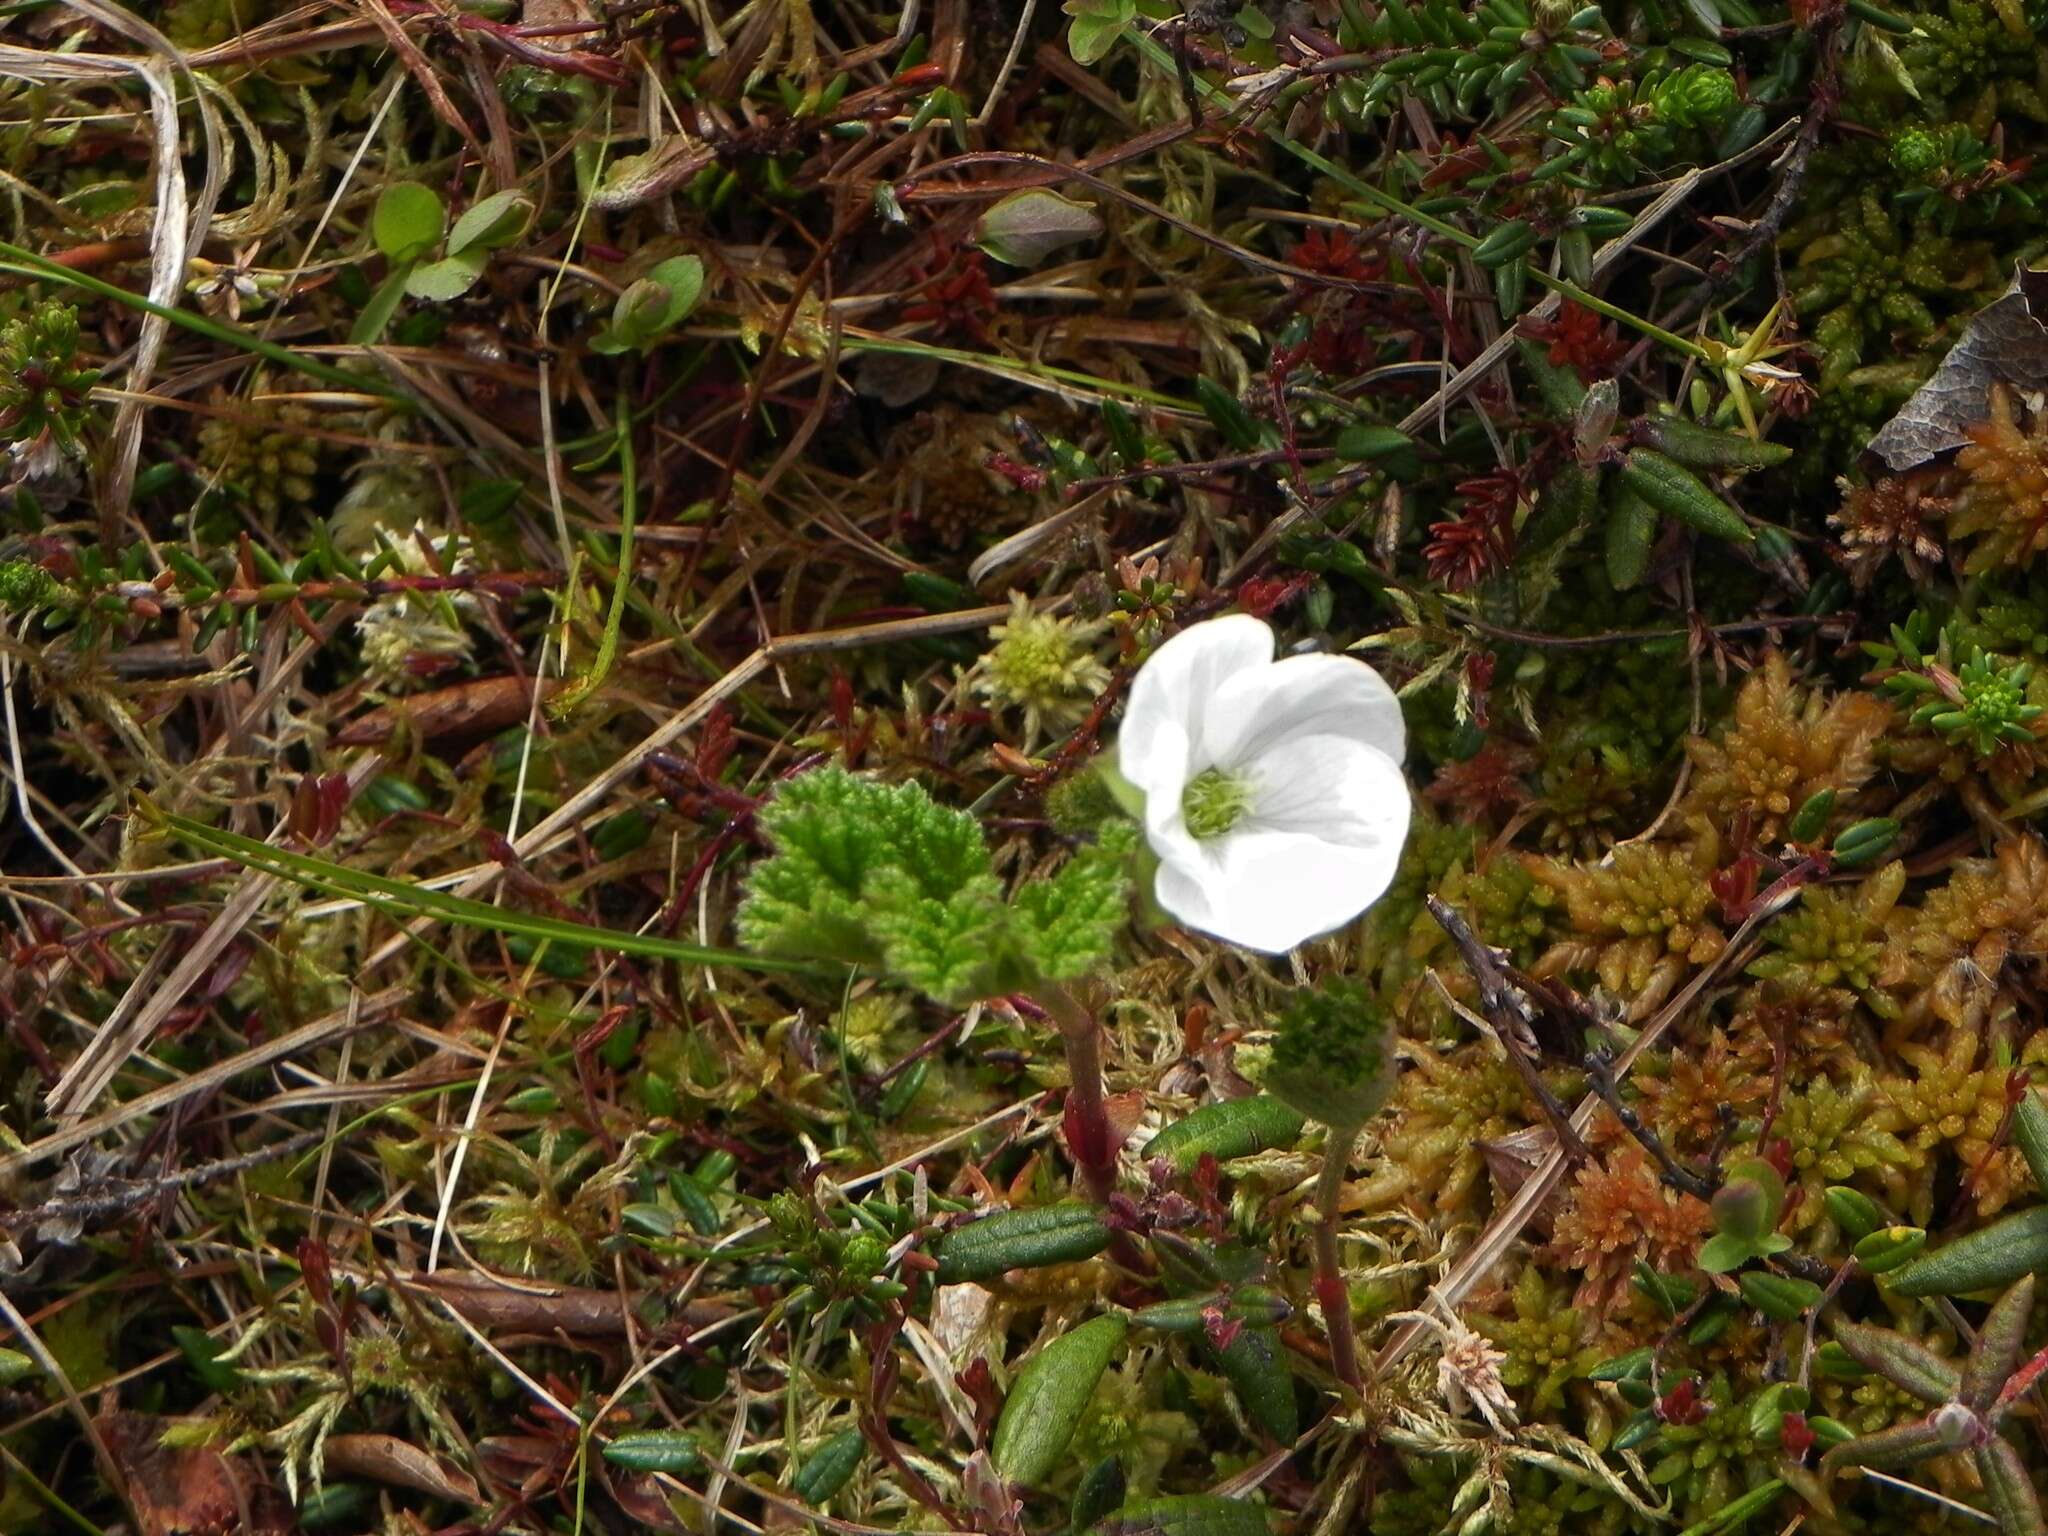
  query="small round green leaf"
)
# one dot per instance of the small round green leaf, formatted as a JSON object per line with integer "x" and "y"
{"x": 683, "y": 279}
{"x": 439, "y": 281}
{"x": 407, "y": 221}
{"x": 1026, "y": 227}
{"x": 491, "y": 222}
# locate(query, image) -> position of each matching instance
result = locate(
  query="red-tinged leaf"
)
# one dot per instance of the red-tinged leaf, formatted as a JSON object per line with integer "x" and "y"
{"x": 639, "y": 1495}
{"x": 2010, "y": 1491}
{"x": 1899, "y": 1446}
{"x": 1903, "y": 1362}
{"x": 179, "y": 1490}
{"x": 318, "y": 1270}
{"x": 1999, "y": 1342}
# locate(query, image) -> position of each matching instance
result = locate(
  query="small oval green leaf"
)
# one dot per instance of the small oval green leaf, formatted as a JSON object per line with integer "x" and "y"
{"x": 439, "y": 281}
{"x": 1231, "y": 1128}
{"x": 1255, "y": 1365}
{"x": 1028, "y": 226}
{"x": 1779, "y": 1296}
{"x": 407, "y": 221}
{"x": 829, "y": 1467}
{"x": 1021, "y": 1239}
{"x": 1044, "y": 1407}
{"x": 491, "y": 222}
{"x": 1987, "y": 1259}
{"x": 1366, "y": 441}
{"x": 1884, "y": 1250}
{"x": 655, "y": 1450}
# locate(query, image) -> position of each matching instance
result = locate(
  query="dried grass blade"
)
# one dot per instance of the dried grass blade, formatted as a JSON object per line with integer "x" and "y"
{"x": 359, "y": 1014}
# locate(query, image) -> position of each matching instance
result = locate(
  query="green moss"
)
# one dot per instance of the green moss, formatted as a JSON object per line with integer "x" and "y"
{"x": 1544, "y": 1345}
{"x": 1868, "y": 280}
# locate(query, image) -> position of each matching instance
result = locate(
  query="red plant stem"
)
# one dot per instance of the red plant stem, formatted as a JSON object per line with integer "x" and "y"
{"x": 1086, "y": 1119}
{"x": 1331, "y": 1291}
{"x": 2019, "y": 1384}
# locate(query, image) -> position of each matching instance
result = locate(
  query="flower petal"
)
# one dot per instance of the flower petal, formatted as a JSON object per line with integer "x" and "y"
{"x": 1270, "y": 890}
{"x": 1256, "y": 711}
{"x": 1162, "y": 722}
{"x": 1162, "y": 776}
{"x": 1330, "y": 787}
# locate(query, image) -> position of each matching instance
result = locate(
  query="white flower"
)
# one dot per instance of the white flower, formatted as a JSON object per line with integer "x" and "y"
{"x": 400, "y": 626}
{"x": 1273, "y": 789}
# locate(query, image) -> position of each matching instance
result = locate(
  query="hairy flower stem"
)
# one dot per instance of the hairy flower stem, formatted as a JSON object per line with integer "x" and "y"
{"x": 1331, "y": 1291}
{"x": 1086, "y": 1118}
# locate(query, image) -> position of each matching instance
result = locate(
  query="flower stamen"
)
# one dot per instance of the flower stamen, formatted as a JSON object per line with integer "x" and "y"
{"x": 1213, "y": 803}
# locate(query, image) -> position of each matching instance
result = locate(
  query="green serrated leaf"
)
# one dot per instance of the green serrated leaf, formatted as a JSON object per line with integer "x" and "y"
{"x": 1067, "y": 925}
{"x": 1096, "y": 26}
{"x": 883, "y": 876}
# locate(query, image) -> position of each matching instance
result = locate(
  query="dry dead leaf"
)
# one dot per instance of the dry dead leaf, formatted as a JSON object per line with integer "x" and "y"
{"x": 187, "y": 1490}
{"x": 478, "y": 708}
{"x": 2007, "y": 343}
{"x": 388, "y": 1459}
{"x": 640, "y": 1496}
{"x": 528, "y": 1308}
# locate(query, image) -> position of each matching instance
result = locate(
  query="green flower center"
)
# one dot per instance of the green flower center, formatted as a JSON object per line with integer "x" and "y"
{"x": 1214, "y": 802}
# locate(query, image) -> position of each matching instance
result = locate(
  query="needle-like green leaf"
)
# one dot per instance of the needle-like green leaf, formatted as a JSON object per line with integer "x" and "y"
{"x": 404, "y": 898}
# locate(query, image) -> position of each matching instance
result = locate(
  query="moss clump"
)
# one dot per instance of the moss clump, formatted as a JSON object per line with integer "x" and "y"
{"x": 1640, "y": 920}
{"x": 1784, "y": 745}
{"x": 267, "y": 455}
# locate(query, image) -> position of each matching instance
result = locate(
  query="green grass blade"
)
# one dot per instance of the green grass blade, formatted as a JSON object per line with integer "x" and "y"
{"x": 28, "y": 264}
{"x": 404, "y": 898}
{"x": 600, "y": 668}
{"x": 1729, "y": 1516}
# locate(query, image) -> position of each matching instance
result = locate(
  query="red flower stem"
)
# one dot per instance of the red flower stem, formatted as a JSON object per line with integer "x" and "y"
{"x": 1086, "y": 1120}
{"x": 1331, "y": 1290}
